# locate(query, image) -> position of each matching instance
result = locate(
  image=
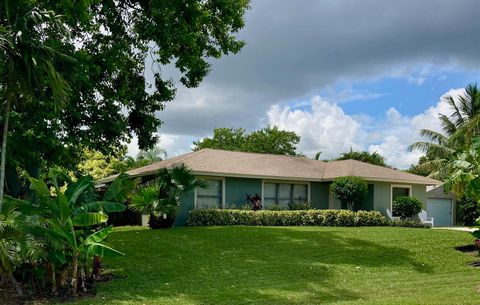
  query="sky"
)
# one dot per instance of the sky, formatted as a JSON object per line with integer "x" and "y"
{"x": 366, "y": 75}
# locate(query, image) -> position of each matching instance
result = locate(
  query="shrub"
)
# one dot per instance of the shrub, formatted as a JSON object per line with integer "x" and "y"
{"x": 350, "y": 189}
{"x": 468, "y": 210}
{"x": 216, "y": 217}
{"x": 296, "y": 206}
{"x": 276, "y": 207}
{"x": 406, "y": 207}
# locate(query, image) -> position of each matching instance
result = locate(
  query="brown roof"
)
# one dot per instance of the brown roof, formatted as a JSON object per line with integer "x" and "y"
{"x": 242, "y": 164}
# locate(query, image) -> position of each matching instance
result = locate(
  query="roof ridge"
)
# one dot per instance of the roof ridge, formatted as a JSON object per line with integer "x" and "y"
{"x": 259, "y": 153}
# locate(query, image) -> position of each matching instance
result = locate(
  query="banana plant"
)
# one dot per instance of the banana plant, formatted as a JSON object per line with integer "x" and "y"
{"x": 71, "y": 224}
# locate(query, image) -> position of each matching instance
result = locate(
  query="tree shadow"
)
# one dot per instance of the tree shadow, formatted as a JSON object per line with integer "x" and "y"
{"x": 243, "y": 265}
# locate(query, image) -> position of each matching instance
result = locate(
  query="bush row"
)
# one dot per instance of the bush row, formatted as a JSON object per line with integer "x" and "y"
{"x": 332, "y": 218}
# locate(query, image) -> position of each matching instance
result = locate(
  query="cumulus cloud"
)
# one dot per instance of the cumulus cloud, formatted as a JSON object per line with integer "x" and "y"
{"x": 325, "y": 127}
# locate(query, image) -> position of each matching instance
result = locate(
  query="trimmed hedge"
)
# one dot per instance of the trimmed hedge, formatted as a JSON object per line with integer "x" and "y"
{"x": 331, "y": 218}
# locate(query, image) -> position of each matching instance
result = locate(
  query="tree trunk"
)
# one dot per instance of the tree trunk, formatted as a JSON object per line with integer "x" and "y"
{"x": 74, "y": 280}
{"x": 6, "y": 117}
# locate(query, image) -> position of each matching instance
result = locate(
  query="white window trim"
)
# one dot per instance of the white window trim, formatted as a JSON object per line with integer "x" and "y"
{"x": 307, "y": 183}
{"x": 407, "y": 186}
{"x": 195, "y": 201}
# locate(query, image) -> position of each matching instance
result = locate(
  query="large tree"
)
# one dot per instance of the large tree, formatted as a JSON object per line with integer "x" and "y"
{"x": 269, "y": 140}
{"x": 115, "y": 44}
{"x": 29, "y": 59}
{"x": 459, "y": 127}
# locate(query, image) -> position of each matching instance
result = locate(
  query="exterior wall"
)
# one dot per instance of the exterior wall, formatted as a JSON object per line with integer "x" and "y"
{"x": 420, "y": 191}
{"x": 381, "y": 197}
{"x": 237, "y": 188}
{"x": 186, "y": 204}
{"x": 319, "y": 195}
{"x": 378, "y": 198}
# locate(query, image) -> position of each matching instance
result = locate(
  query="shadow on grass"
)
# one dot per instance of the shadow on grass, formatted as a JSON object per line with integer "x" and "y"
{"x": 243, "y": 265}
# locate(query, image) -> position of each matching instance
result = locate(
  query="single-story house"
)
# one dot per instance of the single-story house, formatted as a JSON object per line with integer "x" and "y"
{"x": 279, "y": 179}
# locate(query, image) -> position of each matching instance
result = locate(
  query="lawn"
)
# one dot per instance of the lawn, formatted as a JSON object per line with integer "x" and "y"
{"x": 290, "y": 265}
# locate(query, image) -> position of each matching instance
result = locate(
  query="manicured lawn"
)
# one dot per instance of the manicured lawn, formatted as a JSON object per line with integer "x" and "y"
{"x": 285, "y": 265}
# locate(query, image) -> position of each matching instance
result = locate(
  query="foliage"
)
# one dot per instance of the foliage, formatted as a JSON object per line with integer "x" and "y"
{"x": 269, "y": 140}
{"x": 295, "y": 206}
{"x": 29, "y": 61}
{"x": 459, "y": 127}
{"x": 98, "y": 165}
{"x": 276, "y": 207}
{"x": 61, "y": 232}
{"x": 350, "y": 190}
{"x": 468, "y": 210}
{"x": 113, "y": 44}
{"x": 161, "y": 196}
{"x": 364, "y": 156}
{"x": 218, "y": 217}
{"x": 406, "y": 207}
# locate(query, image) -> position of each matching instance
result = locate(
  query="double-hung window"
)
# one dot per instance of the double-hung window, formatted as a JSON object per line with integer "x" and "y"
{"x": 210, "y": 197}
{"x": 283, "y": 194}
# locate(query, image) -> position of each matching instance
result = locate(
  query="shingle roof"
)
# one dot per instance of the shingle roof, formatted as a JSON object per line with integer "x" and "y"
{"x": 243, "y": 164}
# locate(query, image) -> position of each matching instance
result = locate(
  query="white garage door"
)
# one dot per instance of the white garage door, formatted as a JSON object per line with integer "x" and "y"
{"x": 441, "y": 211}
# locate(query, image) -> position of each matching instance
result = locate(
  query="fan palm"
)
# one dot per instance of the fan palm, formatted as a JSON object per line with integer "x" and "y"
{"x": 27, "y": 61}
{"x": 162, "y": 195}
{"x": 458, "y": 130}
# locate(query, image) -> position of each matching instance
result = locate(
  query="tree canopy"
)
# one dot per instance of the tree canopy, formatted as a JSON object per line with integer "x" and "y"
{"x": 364, "y": 156}
{"x": 269, "y": 140}
{"x": 113, "y": 45}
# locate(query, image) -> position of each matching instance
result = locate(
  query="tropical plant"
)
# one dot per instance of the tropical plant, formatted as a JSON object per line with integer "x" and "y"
{"x": 406, "y": 207}
{"x": 65, "y": 226}
{"x": 161, "y": 196}
{"x": 364, "y": 156}
{"x": 464, "y": 169}
{"x": 28, "y": 61}
{"x": 468, "y": 210}
{"x": 351, "y": 190}
{"x": 459, "y": 127}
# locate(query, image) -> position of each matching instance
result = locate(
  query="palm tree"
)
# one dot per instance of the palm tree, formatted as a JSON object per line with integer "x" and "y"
{"x": 27, "y": 62}
{"x": 458, "y": 130}
{"x": 152, "y": 155}
{"x": 364, "y": 156}
{"x": 161, "y": 196}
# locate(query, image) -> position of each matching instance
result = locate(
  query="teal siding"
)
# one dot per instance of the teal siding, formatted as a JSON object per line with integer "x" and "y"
{"x": 186, "y": 204}
{"x": 319, "y": 195}
{"x": 237, "y": 188}
{"x": 420, "y": 191}
{"x": 381, "y": 197}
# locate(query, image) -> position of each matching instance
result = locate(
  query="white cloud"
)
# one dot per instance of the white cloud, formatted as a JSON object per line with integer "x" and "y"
{"x": 325, "y": 127}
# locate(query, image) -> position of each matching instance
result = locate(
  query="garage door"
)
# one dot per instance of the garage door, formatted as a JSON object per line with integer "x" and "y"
{"x": 441, "y": 211}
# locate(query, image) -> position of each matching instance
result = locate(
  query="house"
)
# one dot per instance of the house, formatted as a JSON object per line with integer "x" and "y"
{"x": 279, "y": 179}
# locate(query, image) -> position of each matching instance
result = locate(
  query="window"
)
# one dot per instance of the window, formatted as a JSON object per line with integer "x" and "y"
{"x": 284, "y": 193}
{"x": 211, "y": 196}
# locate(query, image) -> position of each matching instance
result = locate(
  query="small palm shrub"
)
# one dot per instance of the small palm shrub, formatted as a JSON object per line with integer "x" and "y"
{"x": 406, "y": 207}
{"x": 295, "y": 206}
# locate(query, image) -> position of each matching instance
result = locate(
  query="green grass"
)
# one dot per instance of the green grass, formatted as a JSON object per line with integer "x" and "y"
{"x": 290, "y": 265}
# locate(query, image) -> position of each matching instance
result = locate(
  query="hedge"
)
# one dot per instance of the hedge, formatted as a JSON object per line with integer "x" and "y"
{"x": 331, "y": 218}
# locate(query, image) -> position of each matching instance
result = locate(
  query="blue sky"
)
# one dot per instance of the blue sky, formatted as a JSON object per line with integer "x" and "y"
{"x": 344, "y": 73}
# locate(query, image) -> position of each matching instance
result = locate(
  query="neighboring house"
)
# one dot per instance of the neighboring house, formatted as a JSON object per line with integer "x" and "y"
{"x": 279, "y": 179}
{"x": 442, "y": 206}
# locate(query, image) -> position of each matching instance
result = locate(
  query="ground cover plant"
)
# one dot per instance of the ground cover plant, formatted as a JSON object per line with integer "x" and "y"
{"x": 289, "y": 265}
